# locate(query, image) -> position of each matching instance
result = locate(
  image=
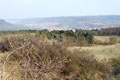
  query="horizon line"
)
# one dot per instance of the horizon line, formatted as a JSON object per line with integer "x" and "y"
{"x": 59, "y": 17}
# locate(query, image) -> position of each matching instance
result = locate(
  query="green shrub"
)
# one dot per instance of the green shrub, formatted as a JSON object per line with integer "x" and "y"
{"x": 84, "y": 66}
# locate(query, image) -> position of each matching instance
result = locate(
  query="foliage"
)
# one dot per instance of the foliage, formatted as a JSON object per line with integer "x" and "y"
{"x": 44, "y": 60}
{"x": 84, "y": 66}
{"x": 69, "y": 35}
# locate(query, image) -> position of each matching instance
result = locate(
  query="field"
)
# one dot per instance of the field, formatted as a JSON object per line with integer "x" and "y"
{"x": 103, "y": 51}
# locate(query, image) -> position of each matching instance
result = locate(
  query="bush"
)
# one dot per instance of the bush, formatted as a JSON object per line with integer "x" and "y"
{"x": 5, "y": 46}
{"x": 74, "y": 38}
{"x": 46, "y": 60}
{"x": 113, "y": 40}
{"x": 84, "y": 66}
{"x": 38, "y": 60}
{"x": 115, "y": 64}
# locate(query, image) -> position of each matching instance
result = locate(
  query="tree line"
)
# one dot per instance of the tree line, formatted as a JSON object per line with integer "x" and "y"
{"x": 107, "y": 31}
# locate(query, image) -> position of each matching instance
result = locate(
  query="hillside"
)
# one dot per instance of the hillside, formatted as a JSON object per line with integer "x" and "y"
{"x": 7, "y": 26}
{"x": 78, "y": 22}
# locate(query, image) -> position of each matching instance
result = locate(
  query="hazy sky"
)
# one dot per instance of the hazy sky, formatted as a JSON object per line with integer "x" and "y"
{"x": 53, "y": 8}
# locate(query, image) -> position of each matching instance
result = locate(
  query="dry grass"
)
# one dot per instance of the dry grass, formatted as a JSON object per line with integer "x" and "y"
{"x": 102, "y": 51}
{"x": 106, "y": 39}
{"x": 102, "y": 38}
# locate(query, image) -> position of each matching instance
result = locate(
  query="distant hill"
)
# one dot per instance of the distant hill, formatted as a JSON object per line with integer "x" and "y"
{"x": 77, "y": 22}
{"x": 5, "y": 26}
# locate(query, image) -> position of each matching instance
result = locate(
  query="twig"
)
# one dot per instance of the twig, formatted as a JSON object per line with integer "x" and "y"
{"x": 3, "y": 67}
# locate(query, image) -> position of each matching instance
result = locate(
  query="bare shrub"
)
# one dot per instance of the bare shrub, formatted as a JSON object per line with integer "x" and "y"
{"x": 39, "y": 60}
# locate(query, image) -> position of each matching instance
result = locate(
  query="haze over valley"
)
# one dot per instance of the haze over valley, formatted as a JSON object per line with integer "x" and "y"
{"x": 66, "y": 23}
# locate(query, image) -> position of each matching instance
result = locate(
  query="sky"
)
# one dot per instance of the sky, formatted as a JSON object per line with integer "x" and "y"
{"x": 56, "y": 8}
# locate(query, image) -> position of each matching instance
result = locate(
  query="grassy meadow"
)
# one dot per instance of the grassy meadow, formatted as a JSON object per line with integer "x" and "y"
{"x": 102, "y": 51}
